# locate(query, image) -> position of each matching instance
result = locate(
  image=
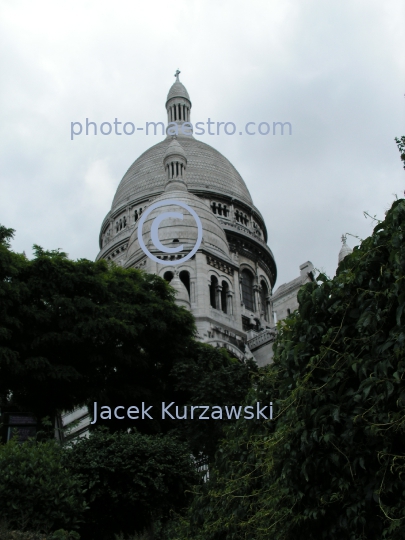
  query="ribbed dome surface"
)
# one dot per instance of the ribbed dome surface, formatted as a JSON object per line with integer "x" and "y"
{"x": 178, "y": 90}
{"x": 207, "y": 170}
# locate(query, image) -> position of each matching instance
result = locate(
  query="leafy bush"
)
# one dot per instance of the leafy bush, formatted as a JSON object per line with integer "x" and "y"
{"x": 37, "y": 493}
{"x": 133, "y": 480}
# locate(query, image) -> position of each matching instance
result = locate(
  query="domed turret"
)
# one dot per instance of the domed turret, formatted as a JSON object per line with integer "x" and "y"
{"x": 182, "y": 298}
{"x": 175, "y": 161}
{"x": 178, "y": 102}
{"x": 175, "y": 149}
{"x": 345, "y": 250}
{"x": 178, "y": 90}
{"x": 177, "y": 232}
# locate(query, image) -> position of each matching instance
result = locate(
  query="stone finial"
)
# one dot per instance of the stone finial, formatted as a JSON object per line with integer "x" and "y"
{"x": 177, "y": 75}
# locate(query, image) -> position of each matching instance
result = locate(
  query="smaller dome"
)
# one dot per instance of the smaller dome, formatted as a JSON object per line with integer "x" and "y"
{"x": 345, "y": 250}
{"x": 178, "y": 90}
{"x": 183, "y": 231}
{"x": 182, "y": 298}
{"x": 175, "y": 149}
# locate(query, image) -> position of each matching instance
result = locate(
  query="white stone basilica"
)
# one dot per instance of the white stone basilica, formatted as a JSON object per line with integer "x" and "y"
{"x": 227, "y": 284}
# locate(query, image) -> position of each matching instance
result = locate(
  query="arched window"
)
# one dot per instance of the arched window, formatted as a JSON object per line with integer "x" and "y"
{"x": 185, "y": 279}
{"x": 224, "y": 297}
{"x": 264, "y": 292}
{"x": 168, "y": 276}
{"x": 247, "y": 290}
{"x": 213, "y": 291}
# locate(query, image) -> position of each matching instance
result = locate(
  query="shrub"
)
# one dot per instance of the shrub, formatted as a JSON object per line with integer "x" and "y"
{"x": 133, "y": 480}
{"x": 37, "y": 492}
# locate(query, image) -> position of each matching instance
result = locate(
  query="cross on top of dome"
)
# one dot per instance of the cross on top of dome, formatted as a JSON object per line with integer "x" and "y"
{"x": 178, "y": 90}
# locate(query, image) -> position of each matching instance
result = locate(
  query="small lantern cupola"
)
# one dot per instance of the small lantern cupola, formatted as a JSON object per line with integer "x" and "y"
{"x": 175, "y": 162}
{"x": 178, "y": 102}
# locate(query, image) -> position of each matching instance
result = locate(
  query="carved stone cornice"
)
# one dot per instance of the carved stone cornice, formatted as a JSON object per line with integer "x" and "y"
{"x": 220, "y": 265}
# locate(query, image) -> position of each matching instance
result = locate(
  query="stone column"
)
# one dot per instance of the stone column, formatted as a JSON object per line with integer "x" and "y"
{"x": 268, "y": 311}
{"x": 240, "y": 290}
{"x": 229, "y": 303}
{"x": 192, "y": 291}
{"x": 218, "y": 303}
{"x": 231, "y": 211}
{"x": 257, "y": 298}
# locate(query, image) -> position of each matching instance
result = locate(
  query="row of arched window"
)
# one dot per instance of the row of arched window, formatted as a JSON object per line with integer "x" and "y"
{"x": 120, "y": 224}
{"x": 175, "y": 170}
{"x": 241, "y": 217}
{"x": 220, "y": 209}
{"x": 179, "y": 112}
{"x": 137, "y": 214}
{"x": 219, "y": 297}
{"x": 223, "y": 210}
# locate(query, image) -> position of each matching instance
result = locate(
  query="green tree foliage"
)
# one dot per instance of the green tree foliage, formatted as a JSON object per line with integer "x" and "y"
{"x": 331, "y": 465}
{"x": 37, "y": 492}
{"x": 76, "y": 332}
{"x": 210, "y": 377}
{"x": 72, "y": 333}
{"x": 132, "y": 480}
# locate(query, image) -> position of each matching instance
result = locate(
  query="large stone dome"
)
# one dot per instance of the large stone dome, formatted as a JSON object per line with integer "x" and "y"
{"x": 207, "y": 171}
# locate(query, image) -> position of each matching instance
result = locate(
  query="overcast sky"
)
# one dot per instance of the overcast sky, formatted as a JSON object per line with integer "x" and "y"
{"x": 333, "y": 69}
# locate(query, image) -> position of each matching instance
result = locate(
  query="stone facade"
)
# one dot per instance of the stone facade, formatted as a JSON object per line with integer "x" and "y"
{"x": 284, "y": 300}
